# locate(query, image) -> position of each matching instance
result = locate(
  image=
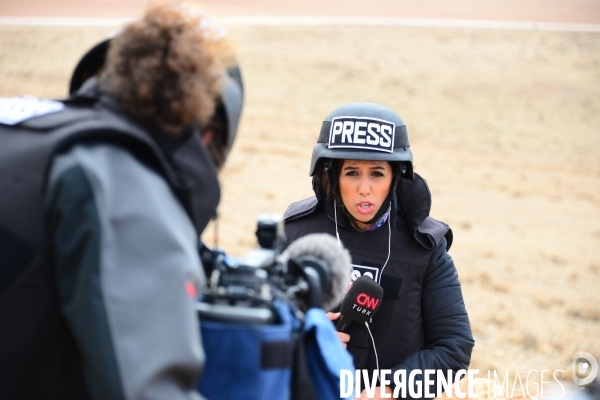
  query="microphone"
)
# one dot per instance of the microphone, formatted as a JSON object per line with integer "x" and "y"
{"x": 360, "y": 303}
{"x": 325, "y": 264}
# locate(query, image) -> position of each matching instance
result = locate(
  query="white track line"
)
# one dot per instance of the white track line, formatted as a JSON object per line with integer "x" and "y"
{"x": 418, "y": 22}
{"x": 324, "y": 21}
{"x": 46, "y": 21}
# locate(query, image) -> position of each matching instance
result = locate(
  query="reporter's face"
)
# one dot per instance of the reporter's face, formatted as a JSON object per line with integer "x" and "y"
{"x": 364, "y": 185}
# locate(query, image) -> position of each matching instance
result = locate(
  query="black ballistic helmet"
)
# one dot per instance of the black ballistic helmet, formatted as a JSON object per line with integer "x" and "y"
{"x": 231, "y": 96}
{"x": 364, "y": 131}
{"x": 89, "y": 65}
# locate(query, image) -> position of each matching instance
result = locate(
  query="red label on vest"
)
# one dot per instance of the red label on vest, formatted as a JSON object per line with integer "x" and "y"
{"x": 191, "y": 290}
{"x": 367, "y": 301}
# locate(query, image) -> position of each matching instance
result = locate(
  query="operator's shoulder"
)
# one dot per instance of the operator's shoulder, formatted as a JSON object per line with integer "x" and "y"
{"x": 103, "y": 163}
{"x": 300, "y": 209}
{"x": 120, "y": 185}
{"x": 100, "y": 155}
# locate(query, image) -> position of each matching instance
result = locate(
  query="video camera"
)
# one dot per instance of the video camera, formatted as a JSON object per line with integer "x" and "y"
{"x": 242, "y": 290}
{"x": 259, "y": 315}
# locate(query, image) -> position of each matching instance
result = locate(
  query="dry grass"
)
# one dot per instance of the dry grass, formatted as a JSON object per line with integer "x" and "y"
{"x": 503, "y": 124}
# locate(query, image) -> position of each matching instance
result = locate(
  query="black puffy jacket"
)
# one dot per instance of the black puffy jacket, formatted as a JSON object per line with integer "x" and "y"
{"x": 422, "y": 322}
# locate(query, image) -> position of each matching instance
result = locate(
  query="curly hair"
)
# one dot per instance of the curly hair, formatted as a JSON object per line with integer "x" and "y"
{"x": 165, "y": 69}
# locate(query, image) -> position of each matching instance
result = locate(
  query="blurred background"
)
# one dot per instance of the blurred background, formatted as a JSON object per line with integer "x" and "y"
{"x": 503, "y": 119}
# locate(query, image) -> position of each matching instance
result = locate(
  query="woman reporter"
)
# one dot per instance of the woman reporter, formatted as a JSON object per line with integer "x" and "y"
{"x": 367, "y": 195}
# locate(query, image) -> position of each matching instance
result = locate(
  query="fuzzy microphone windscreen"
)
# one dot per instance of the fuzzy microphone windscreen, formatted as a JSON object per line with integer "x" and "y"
{"x": 326, "y": 248}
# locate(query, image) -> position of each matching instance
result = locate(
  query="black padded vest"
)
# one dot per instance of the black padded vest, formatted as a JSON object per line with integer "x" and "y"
{"x": 398, "y": 324}
{"x": 38, "y": 356}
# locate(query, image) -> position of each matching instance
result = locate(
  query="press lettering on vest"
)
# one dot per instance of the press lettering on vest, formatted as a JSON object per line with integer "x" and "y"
{"x": 14, "y": 110}
{"x": 362, "y": 270}
{"x": 362, "y": 133}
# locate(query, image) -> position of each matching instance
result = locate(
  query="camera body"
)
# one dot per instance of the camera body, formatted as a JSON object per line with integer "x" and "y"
{"x": 254, "y": 315}
{"x": 242, "y": 290}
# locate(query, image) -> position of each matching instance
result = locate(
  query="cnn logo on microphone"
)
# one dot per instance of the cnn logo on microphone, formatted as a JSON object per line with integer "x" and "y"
{"x": 365, "y": 304}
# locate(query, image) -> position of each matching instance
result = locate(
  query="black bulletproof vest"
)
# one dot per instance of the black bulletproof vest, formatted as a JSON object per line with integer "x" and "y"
{"x": 38, "y": 356}
{"x": 397, "y": 327}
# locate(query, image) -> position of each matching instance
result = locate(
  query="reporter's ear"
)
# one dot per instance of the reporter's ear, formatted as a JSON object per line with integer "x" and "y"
{"x": 212, "y": 139}
{"x": 207, "y": 136}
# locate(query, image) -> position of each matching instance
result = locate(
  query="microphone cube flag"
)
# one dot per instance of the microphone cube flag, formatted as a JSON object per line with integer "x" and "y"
{"x": 362, "y": 299}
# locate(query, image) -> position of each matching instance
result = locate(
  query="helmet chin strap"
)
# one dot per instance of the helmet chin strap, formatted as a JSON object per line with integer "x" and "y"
{"x": 394, "y": 192}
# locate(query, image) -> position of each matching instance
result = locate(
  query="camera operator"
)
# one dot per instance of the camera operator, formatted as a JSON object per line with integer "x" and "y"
{"x": 104, "y": 197}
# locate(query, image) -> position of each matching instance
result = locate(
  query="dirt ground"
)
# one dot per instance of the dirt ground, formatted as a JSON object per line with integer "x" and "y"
{"x": 504, "y": 125}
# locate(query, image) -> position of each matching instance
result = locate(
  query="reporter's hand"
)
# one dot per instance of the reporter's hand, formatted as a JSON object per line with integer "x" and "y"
{"x": 377, "y": 394}
{"x": 344, "y": 337}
